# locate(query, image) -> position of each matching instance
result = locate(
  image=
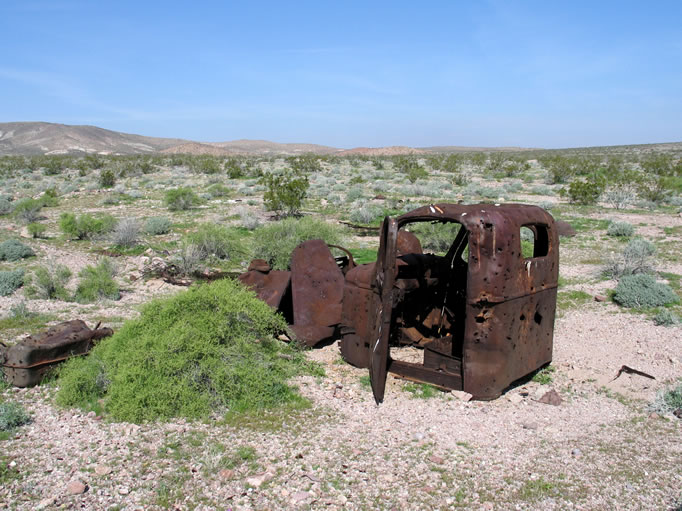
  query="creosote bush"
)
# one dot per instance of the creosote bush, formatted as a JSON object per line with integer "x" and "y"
{"x": 97, "y": 282}
{"x": 207, "y": 350}
{"x": 618, "y": 228}
{"x": 13, "y": 250}
{"x": 285, "y": 191}
{"x": 85, "y": 226}
{"x": 36, "y": 230}
{"x": 643, "y": 290}
{"x": 157, "y": 225}
{"x": 10, "y": 281}
{"x": 180, "y": 199}
{"x": 217, "y": 241}
{"x": 275, "y": 242}
{"x": 48, "y": 282}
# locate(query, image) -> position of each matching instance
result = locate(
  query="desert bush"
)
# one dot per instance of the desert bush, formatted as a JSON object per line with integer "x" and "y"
{"x": 617, "y": 228}
{"x": 126, "y": 233}
{"x": 248, "y": 219}
{"x": 285, "y": 191}
{"x": 355, "y": 193}
{"x": 209, "y": 349}
{"x": 218, "y": 190}
{"x": 182, "y": 198}
{"x": 157, "y": 225}
{"x": 668, "y": 400}
{"x": 637, "y": 257}
{"x": 85, "y": 226}
{"x": 366, "y": 213}
{"x": 36, "y": 230}
{"x": 642, "y": 290}
{"x": 28, "y": 210}
{"x": 107, "y": 178}
{"x": 659, "y": 177}
{"x": 97, "y": 282}
{"x": 189, "y": 259}
{"x": 5, "y": 206}
{"x": 276, "y": 241}
{"x": 10, "y": 281}
{"x": 586, "y": 191}
{"x": 14, "y": 250}
{"x": 12, "y": 415}
{"x": 665, "y": 317}
{"x": 411, "y": 168}
{"x": 218, "y": 241}
{"x": 48, "y": 282}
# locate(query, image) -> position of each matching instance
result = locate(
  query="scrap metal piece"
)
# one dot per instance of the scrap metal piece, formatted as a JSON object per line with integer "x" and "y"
{"x": 26, "y": 363}
{"x": 316, "y": 292}
{"x": 630, "y": 370}
{"x": 271, "y": 286}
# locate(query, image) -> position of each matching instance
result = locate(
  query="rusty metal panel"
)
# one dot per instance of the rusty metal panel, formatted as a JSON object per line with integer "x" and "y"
{"x": 316, "y": 291}
{"x": 270, "y": 285}
{"x": 25, "y": 363}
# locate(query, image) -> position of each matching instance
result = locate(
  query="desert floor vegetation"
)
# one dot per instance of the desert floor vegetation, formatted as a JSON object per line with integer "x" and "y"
{"x": 197, "y": 403}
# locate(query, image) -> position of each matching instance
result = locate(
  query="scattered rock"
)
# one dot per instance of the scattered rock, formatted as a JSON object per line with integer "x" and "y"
{"x": 600, "y": 298}
{"x": 515, "y": 398}
{"x": 300, "y": 496}
{"x": 461, "y": 395}
{"x": 45, "y": 503}
{"x": 577, "y": 453}
{"x": 123, "y": 490}
{"x": 76, "y": 487}
{"x": 654, "y": 415}
{"x": 226, "y": 474}
{"x": 551, "y": 398}
{"x": 418, "y": 436}
{"x": 436, "y": 459}
{"x": 257, "y": 480}
{"x": 102, "y": 470}
{"x": 678, "y": 413}
{"x": 529, "y": 425}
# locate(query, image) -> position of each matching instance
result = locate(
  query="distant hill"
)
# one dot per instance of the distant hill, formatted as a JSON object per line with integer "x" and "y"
{"x": 381, "y": 151}
{"x": 265, "y": 147}
{"x": 47, "y": 138}
{"x": 197, "y": 148}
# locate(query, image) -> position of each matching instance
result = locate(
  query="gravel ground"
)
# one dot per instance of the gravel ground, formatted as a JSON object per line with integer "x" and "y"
{"x": 600, "y": 448}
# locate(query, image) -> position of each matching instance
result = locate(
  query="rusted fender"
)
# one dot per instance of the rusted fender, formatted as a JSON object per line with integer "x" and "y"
{"x": 270, "y": 285}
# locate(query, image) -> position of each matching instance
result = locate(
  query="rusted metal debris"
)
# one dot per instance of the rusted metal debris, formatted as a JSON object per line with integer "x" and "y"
{"x": 26, "y": 363}
{"x": 482, "y": 312}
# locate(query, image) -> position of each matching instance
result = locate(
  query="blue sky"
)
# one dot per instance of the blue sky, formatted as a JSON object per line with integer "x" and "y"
{"x": 474, "y": 73}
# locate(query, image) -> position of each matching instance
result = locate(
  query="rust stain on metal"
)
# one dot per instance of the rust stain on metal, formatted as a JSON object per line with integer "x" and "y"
{"x": 25, "y": 363}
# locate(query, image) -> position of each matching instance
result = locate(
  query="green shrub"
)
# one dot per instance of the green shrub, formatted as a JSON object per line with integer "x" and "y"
{"x": 617, "y": 228}
{"x": 85, "y": 226}
{"x": 179, "y": 199}
{"x": 12, "y": 415}
{"x": 218, "y": 241}
{"x": 107, "y": 178}
{"x": 586, "y": 192}
{"x": 158, "y": 225}
{"x": 218, "y": 190}
{"x": 209, "y": 349}
{"x": 28, "y": 210}
{"x": 36, "y": 230}
{"x": 5, "y": 206}
{"x": 642, "y": 290}
{"x": 13, "y": 250}
{"x": 276, "y": 241}
{"x": 10, "y": 281}
{"x": 97, "y": 282}
{"x": 285, "y": 191}
{"x": 665, "y": 317}
{"x": 48, "y": 282}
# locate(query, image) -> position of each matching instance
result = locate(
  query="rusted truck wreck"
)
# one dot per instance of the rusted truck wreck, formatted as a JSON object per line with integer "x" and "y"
{"x": 483, "y": 312}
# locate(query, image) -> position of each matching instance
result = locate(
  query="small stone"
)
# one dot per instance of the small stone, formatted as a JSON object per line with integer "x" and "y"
{"x": 45, "y": 503}
{"x": 102, "y": 470}
{"x": 654, "y": 415}
{"x": 436, "y": 459}
{"x": 76, "y": 487}
{"x": 356, "y": 452}
{"x": 515, "y": 398}
{"x": 300, "y": 496}
{"x": 461, "y": 395}
{"x": 283, "y": 337}
{"x": 551, "y": 398}
{"x": 226, "y": 474}
{"x": 576, "y": 452}
{"x": 257, "y": 480}
{"x": 678, "y": 413}
{"x": 418, "y": 436}
{"x": 123, "y": 490}
{"x": 529, "y": 425}
{"x": 600, "y": 298}
{"x": 91, "y": 415}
